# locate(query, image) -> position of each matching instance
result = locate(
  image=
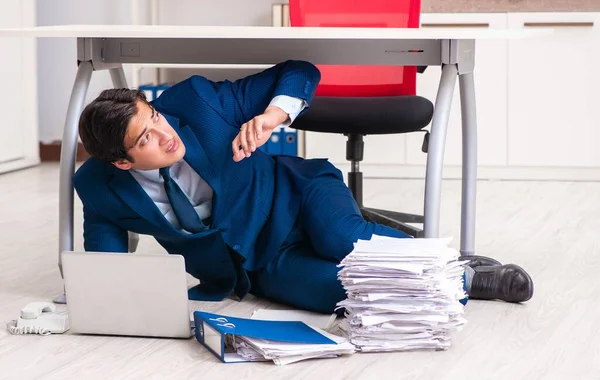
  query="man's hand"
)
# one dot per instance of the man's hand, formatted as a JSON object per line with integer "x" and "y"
{"x": 256, "y": 132}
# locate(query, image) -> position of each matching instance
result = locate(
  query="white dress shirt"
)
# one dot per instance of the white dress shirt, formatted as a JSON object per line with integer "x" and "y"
{"x": 195, "y": 188}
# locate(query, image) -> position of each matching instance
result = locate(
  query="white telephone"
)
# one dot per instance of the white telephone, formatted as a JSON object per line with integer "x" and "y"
{"x": 40, "y": 318}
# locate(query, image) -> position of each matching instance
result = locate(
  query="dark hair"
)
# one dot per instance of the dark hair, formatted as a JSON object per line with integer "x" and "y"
{"x": 103, "y": 123}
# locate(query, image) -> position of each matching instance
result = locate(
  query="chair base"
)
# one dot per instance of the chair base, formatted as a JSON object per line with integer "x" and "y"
{"x": 397, "y": 220}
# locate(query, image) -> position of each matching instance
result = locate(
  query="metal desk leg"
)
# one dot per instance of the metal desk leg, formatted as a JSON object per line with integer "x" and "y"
{"x": 435, "y": 154}
{"x": 469, "y": 163}
{"x": 68, "y": 155}
{"x": 118, "y": 78}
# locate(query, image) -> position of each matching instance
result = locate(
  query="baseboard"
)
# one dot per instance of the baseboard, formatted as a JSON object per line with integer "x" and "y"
{"x": 51, "y": 152}
{"x": 483, "y": 172}
{"x": 21, "y": 163}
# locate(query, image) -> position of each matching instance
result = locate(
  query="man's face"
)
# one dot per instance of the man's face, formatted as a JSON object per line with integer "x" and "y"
{"x": 151, "y": 141}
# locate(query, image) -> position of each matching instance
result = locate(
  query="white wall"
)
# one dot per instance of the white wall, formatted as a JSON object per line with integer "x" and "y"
{"x": 216, "y": 12}
{"x": 57, "y": 64}
{"x": 212, "y": 12}
{"x": 56, "y": 57}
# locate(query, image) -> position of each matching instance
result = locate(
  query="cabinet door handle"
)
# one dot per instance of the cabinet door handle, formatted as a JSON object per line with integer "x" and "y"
{"x": 456, "y": 25}
{"x": 581, "y": 24}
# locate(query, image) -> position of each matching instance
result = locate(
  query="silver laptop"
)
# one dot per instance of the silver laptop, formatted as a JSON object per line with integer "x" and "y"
{"x": 126, "y": 294}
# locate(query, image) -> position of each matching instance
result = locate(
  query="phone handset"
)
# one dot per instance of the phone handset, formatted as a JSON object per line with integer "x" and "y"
{"x": 40, "y": 318}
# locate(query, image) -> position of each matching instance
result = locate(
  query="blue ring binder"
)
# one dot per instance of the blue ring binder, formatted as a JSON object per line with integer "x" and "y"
{"x": 217, "y": 333}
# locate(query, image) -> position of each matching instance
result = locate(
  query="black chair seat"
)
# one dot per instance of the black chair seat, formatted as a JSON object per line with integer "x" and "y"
{"x": 366, "y": 116}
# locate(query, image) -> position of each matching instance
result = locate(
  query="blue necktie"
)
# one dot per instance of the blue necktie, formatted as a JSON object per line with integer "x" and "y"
{"x": 185, "y": 212}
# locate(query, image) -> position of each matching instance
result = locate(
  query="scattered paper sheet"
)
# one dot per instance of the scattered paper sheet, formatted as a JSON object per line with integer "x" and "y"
{"x": 322, "y": 321}
{"x": 281, "y": 353}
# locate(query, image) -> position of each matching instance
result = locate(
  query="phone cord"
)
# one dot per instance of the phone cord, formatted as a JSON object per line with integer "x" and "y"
{"x": 13, "y": 329}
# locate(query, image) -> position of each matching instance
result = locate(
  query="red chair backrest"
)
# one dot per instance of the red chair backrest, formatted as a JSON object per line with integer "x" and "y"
{"x": 360, "y": 81}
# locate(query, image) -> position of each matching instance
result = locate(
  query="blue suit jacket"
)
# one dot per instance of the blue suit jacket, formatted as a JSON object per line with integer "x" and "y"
{"x": 255, "y": 203}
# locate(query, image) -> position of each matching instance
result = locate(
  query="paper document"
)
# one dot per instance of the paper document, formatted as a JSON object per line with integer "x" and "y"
{"x": 402, "y": 294}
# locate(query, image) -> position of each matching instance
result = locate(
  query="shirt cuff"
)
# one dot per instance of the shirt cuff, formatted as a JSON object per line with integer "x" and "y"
{"x": 290, "y": 105}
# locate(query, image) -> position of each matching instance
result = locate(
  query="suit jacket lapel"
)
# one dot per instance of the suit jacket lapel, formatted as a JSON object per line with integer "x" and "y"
{"x": 195, "y": 155}
{"x": 130, "y": 191}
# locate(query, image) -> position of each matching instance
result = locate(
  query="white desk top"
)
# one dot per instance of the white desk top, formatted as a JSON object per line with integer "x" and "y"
{"x": 267, "y": 32}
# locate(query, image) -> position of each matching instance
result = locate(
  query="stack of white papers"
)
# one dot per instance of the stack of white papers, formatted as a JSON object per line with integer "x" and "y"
{"x": 402, "y": 294}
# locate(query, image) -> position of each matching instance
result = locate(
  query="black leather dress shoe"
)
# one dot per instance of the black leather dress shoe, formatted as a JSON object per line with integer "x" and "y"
{"x": 508, "y": 282}
{"x": 477, "y": 261}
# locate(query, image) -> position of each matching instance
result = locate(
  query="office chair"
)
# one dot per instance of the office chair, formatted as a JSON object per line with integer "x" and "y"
{"x": 365, "y": 100}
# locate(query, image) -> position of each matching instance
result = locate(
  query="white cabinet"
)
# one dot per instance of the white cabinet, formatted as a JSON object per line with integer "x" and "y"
{"x": 490, "y": 90}
{"x": 18, "y": 103}
{"x": 325, "y": 145}
{"x": 554, "y": 91}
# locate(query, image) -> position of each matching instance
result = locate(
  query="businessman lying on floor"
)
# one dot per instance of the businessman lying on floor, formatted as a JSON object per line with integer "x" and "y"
{"x": 185, "y": 169}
